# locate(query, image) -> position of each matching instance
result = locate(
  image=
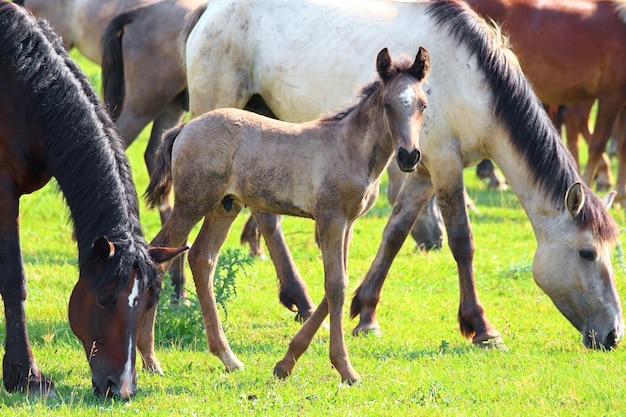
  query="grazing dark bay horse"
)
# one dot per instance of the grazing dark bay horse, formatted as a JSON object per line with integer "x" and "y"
{"x": 572, "y": 52}
{"x": 327, "y": 170}
{"x": 480, "y": 106}
{"x": 52, "y": 125}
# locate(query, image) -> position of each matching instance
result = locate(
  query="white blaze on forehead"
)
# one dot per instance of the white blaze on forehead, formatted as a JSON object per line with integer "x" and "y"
{"x": 408, "y": 97}
{"x": 133, "y": 294}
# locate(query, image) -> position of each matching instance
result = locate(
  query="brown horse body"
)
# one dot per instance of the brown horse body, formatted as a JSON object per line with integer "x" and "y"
{"x": 572, "y": 51}
{"x": 327, "y": 170}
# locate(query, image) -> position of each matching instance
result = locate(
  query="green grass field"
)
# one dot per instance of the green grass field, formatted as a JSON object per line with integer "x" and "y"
{"x": 420, "y": 366}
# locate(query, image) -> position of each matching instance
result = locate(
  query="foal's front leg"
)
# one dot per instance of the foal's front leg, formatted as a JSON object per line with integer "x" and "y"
{"x": 203, "y": 257}
{"x": 333, "y": 238}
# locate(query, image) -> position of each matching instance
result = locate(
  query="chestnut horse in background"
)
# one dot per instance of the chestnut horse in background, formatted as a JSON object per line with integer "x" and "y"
{"x": 327, "y": 170}
{"x": 52, "y": 124}
{"x": 572, "y": 52}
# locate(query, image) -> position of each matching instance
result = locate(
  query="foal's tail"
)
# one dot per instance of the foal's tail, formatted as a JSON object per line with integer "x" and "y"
{"x": 161, "y": 178}
{"x": 113, "y": 88}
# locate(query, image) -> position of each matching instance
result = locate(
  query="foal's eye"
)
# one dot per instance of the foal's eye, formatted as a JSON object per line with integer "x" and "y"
{"x": 387, "y": 107}
{"x": 589, "y": 255}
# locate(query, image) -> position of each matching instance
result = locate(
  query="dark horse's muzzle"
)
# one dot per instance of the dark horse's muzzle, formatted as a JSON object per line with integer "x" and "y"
{"x": 408, "y": 160}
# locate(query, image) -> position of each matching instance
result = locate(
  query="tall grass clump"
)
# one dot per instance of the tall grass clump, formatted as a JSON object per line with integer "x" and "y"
{"x": 181, "y": 324}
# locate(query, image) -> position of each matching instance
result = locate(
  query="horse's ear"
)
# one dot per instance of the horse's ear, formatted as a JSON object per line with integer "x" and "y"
{"x": 384, "y": 66}
{"x": 102, "y": 248}
{"x": 161, "y": 254}
{"x": 575, "y": 199}
{"x": 421, "y": 66}
{"x": 608, "y": 199}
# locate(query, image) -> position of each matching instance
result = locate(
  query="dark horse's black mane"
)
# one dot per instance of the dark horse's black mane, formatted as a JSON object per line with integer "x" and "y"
{"x": 82, "y": 149}
{"x": 516, "y": 105}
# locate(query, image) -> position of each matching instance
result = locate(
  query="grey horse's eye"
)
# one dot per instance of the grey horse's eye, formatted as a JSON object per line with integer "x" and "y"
{"x": 589, "y": 255}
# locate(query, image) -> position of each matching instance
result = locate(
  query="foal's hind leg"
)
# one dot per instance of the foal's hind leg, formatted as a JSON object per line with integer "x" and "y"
{"x": 203, "y": 257}
{"x": 292, "y": 287}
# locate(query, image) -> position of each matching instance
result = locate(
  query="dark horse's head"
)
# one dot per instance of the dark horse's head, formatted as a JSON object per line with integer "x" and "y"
{"x": 107, "y": 318}
{"x": 68, "y": 135}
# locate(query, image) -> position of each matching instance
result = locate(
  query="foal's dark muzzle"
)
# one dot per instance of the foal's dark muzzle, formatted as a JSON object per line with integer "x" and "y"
{"x": 408, "y": 160}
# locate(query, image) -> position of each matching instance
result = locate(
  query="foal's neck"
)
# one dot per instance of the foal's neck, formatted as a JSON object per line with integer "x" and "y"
{"x": 366, "y": 129}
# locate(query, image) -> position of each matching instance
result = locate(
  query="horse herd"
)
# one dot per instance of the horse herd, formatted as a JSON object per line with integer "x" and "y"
{"x": 461, "y": 99}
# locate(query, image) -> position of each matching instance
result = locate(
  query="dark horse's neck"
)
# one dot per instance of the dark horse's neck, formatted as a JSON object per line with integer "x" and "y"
{"x": 81, "y": 150}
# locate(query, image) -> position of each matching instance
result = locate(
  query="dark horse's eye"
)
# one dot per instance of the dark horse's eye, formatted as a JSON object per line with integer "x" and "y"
{"x": 589, "y": 255}
{"x": 387, "y": 106}
{"x": 105, "y": 302}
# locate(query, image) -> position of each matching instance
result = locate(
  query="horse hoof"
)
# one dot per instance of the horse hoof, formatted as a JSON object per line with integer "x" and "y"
{"x": 492, "y": 343}
{"x": 155, "y": 369}
{"x": 281, "y": 373}
{"x": 364, "y": 330}
{"x": 351, "y": 381}
{"x": 231, "y": 362}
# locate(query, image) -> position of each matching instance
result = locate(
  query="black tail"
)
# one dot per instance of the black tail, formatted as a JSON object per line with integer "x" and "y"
{"x": 113, "y": 88}
{"x": 161, "y": 178}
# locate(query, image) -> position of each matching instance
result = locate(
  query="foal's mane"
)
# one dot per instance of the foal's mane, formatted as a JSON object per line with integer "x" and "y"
{"x": 368, "y": 91}
{"x": 82, "y": 148}
{"x": 517, "y": 107}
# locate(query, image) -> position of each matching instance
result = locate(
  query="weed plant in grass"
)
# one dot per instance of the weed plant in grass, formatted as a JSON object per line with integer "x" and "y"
{"x": 420, "y": 366}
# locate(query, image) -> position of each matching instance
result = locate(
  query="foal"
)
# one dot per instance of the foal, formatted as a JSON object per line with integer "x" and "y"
{"x": 327, "y": 170}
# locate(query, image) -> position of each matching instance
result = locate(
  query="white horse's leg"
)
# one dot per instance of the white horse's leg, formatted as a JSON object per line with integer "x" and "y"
{"x": 203, "y": 257}
{"x": 473, "y": 321}
{"x": 413, "y": 196}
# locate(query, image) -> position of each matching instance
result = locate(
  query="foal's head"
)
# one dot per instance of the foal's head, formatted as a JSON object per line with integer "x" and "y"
{"x": 404, "y": 101}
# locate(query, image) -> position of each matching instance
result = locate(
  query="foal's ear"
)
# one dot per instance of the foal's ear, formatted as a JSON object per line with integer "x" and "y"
{"x": 421, "y": 66}
{"x": 575, "y": 199}
{"x": 384, "y": 66}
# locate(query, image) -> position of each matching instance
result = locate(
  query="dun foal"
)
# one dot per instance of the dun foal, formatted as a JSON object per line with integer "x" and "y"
{"x": 327, "y": 170}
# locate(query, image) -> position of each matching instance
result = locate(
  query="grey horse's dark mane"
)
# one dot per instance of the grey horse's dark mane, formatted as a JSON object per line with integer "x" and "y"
{"x": 530, "y": 130}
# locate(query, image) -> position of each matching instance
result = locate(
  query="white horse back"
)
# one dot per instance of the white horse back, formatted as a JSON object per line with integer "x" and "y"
{"x": 309, "y": 57}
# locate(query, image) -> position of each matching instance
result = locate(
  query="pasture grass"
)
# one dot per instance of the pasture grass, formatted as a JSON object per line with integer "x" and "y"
{"x": 420, "y": 366}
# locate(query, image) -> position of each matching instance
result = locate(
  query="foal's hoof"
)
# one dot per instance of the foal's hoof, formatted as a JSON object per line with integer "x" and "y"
{"x": 491, "y": 343}
{"x": 230, "y": 361}
{"x": 367, "y": 329}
